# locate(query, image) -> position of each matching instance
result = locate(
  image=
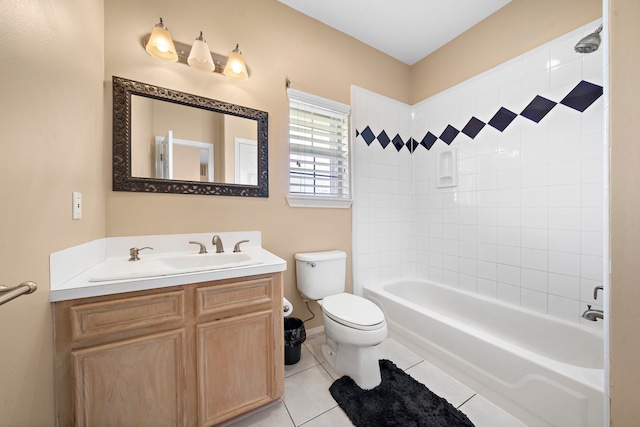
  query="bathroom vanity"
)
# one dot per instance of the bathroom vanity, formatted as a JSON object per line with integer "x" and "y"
{"x": 192, "y": 349}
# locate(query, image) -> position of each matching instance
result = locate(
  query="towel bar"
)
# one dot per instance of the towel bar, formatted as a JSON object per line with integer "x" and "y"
{"x": 7, "y": 293}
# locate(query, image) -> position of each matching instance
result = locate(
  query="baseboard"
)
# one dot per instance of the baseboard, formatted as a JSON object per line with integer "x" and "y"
{"x": 318, "y": 330}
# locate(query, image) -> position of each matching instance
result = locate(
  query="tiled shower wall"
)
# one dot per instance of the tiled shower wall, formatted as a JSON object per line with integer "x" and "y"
{"x": 525, "y": 222}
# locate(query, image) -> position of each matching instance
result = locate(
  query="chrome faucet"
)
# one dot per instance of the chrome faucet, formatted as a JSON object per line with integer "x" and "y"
{"x": 218, "y": 242}
{"x": 236, "y": 248}
{"x": 203, "y": 248}
{"x": 592, "y": 314}
{"x": 133, "y": 253}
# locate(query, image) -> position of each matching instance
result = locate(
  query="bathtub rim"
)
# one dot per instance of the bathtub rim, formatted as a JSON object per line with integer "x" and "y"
{"x": 587, "y": 376}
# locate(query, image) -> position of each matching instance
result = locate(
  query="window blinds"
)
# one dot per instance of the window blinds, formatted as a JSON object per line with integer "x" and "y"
{"x": 318, "y": 146}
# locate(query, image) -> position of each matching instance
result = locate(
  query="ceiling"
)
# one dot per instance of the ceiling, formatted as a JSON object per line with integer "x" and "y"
{"x": 407, "y": 30}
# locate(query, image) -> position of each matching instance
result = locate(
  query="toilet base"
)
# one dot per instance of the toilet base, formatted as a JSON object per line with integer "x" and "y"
{"x": 359, "y": 363}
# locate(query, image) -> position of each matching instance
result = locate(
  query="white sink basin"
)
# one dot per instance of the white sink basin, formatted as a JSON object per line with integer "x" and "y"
{"x": 170, "y": 264}
{"x": 208, "y": 261}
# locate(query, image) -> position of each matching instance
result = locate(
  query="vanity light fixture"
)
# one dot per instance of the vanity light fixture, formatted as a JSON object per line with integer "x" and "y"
{"x": 160, "y": 45}
{"x": 200, "y": 56}
{"x": 235, "y": 65}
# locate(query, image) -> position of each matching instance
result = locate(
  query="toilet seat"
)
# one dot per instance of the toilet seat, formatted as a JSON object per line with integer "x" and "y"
{"x": 353, "y": 311}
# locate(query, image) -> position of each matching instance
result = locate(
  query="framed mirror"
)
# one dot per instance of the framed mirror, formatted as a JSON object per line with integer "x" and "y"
{"x": 165, "y": 141}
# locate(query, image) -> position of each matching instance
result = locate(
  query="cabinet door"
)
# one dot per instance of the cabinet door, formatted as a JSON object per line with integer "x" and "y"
{"x": 235, "y": 366}
{"x": 137, "y": 382}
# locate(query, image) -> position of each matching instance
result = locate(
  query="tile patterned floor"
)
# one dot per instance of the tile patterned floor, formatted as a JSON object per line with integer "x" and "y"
{"x": 308, "y": 403}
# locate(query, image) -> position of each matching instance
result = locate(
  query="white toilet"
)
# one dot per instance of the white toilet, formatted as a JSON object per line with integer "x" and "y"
{"x": 353, "y": 325}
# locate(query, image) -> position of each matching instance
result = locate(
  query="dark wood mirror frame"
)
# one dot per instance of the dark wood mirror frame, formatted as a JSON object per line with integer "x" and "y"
{"x": 123, "y": 89}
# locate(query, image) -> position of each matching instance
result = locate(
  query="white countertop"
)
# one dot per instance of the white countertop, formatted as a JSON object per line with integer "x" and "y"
{"x": 72, "y": 268}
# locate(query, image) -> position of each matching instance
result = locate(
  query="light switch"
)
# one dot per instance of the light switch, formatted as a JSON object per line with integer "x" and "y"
{"x": 77, "y": 205}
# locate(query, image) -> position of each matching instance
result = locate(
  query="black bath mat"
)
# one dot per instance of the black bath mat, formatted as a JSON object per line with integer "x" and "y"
{"x": 398, "y": 401}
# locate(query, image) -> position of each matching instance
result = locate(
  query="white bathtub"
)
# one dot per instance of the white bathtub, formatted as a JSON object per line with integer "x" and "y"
{"x": 543, "y": 370}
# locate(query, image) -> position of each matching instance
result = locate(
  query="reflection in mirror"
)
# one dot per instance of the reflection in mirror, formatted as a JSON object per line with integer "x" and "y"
{"x": 181, "y": 143}
{"x": 173, "y": 141}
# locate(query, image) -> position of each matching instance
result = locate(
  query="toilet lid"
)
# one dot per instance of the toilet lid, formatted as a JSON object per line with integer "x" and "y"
{"x": 353, "y": 311}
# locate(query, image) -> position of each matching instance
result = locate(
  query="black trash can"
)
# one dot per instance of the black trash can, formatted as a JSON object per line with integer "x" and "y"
{"x": 294, "y": 336}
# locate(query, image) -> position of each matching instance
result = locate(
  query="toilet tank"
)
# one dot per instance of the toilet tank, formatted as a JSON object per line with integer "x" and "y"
{"x": 320, "y": 274}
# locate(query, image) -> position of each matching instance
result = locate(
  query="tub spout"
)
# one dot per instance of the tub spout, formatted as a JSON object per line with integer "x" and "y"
{"x": 592, "y": 314}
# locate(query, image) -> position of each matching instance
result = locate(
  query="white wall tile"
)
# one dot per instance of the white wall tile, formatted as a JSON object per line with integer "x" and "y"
{"x": 535, "y": 280}
{"x": 534, "y": 218}
{"x": 535, "y": 62}
{"x": 509, "y": 274}
{"x": 525, "y": 223}
{"x": 509, "y": 255}
{"x": 564, "y": 263}
{"x": 565, "y": 74}
{"x": 467, "y": 282}
{"x": 535, "y": 238}
{"x": 564, "y": 241}
{"x": 509, "y": 293}
{"x": 564, "y": 218}
{"x": 591, "y": 267}
{"x": 534, "y": 259}
{"x": 509, "y": 236}
{"x": 564, "y": 308}
{"x": 564, "y": 286}
{"x": 533, "y": 300}
{"x": 591, "y": 243}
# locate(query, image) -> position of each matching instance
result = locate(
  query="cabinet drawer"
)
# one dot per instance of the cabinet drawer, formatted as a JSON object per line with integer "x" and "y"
{"x": 245, "y": 295}
{"x": 101, "y": 318}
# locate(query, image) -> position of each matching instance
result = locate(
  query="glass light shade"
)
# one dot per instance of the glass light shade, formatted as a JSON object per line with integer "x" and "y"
{"x": 236, "y": 67}
{"x": 200, "y": 56}
{"x": 160, "y": 44}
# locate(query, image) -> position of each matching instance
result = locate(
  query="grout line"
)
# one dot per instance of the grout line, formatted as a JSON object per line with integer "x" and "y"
{"x": 293, "y": 423}
{"x": 300, "y": 371}
{"x": 415, "y": 364}
{"x": 472, "y": 396}
{"x": 328, "y": 373}
{"x": 317, "y": 416}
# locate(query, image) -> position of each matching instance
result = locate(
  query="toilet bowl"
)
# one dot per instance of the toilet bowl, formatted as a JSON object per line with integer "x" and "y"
{"x": 354, "y": 326}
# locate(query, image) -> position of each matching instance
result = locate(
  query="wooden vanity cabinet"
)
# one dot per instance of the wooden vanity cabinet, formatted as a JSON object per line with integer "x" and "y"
{"x": 192, "y": 355}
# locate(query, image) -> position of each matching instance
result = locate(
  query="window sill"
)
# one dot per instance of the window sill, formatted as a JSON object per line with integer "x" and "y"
{"x": 318, "y": 202}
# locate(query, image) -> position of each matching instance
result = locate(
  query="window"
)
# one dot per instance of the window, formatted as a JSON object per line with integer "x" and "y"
{"x": 318, "y": 151}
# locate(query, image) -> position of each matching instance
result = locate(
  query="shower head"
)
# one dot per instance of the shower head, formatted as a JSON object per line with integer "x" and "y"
{"x": 589, "y": 43}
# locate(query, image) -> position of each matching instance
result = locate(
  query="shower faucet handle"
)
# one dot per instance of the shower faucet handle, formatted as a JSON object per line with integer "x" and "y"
{"x": 595, "y": 291}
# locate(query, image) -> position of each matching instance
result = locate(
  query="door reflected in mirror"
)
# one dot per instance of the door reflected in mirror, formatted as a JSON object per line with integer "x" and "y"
{"x": 173, "y": 141}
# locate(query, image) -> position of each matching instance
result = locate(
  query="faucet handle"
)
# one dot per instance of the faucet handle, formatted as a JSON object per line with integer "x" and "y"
{"x": 133, "y": 253}
{"x": 236, "y": 248}
{"x": 595, "y": 291}
{"x": 203, "y": 248}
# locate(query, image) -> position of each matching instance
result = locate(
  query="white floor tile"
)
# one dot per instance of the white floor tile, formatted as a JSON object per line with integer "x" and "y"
{"x": 403, "y": 358}
{"x": 269, "y": 417}
{"x": 307, "y": 360}
{"x": 483, "y": 413}
{"x": 333, "y": 418}
{"x": 306, "y": 394}
{"x": 440, "y": 383}
{"x": 308, "y": 403}
{"x": 314, "y": 345}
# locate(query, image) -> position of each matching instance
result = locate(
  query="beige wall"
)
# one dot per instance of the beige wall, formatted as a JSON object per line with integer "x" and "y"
{"x": 277, "y": 43}
{"x": 513, "y": 30}
{"x": 51, "y": 118}
{"x": 624, "y": 144}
